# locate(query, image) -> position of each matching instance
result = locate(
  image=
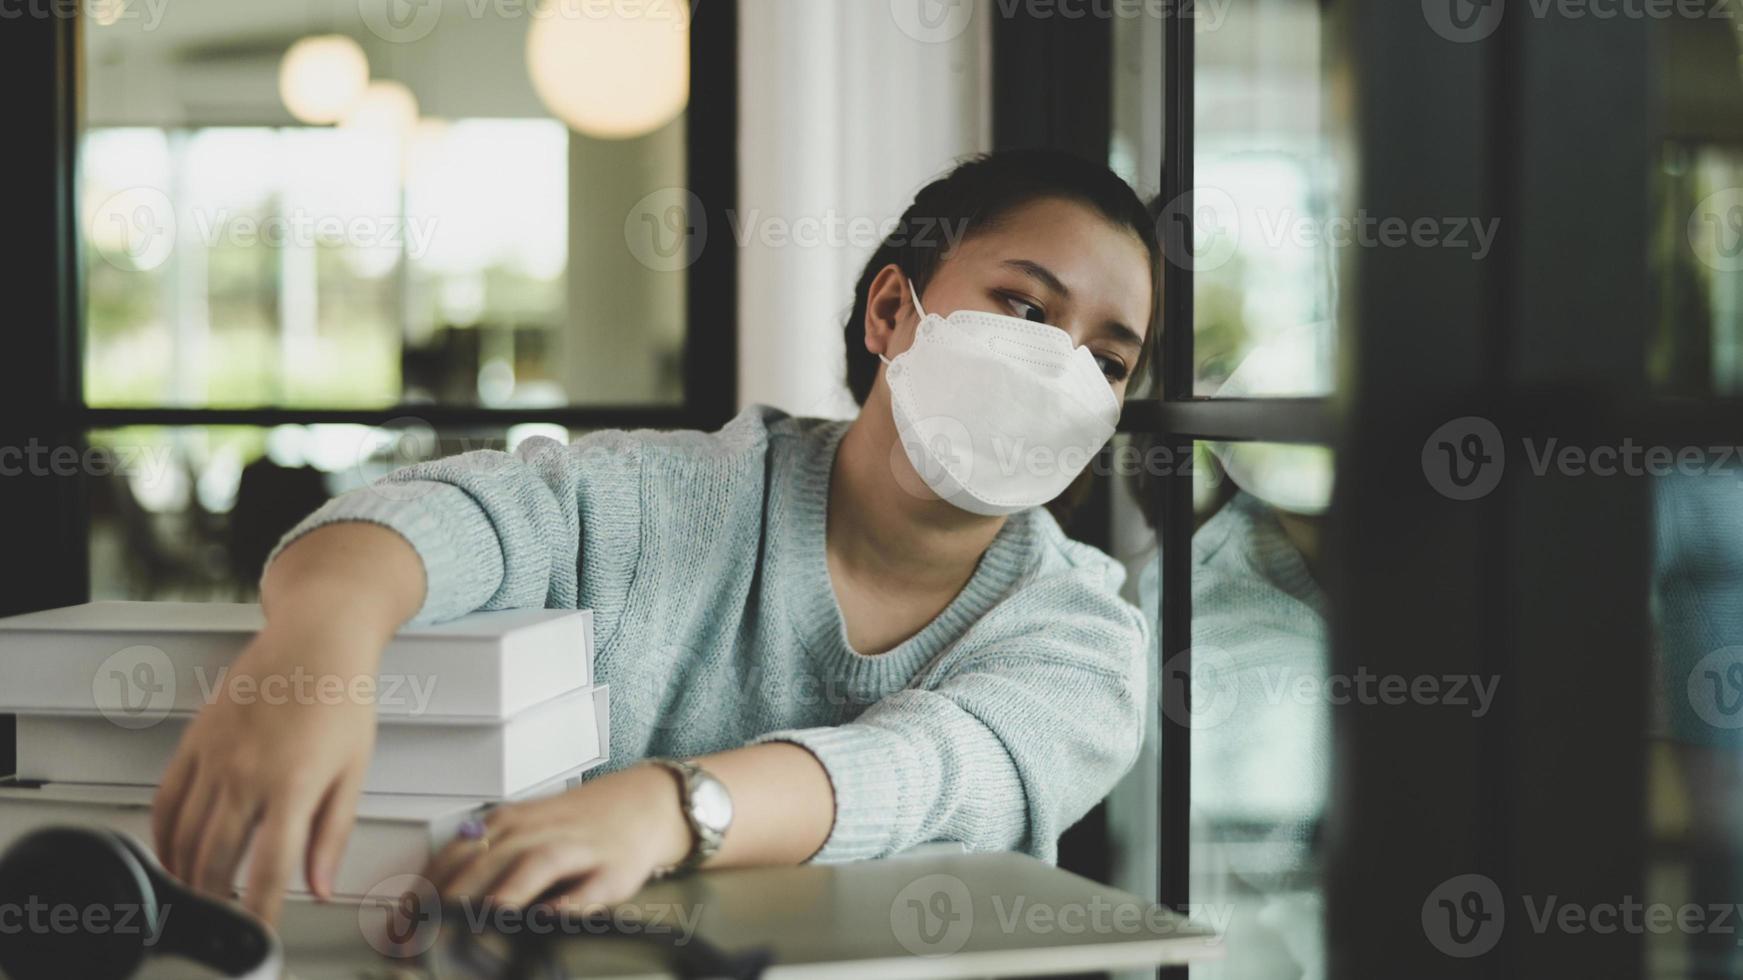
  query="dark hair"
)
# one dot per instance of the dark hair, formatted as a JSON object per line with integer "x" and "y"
{"x": 974, "y": 197}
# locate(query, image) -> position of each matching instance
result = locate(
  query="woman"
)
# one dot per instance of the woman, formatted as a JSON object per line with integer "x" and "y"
{"x": 866, "y": 635}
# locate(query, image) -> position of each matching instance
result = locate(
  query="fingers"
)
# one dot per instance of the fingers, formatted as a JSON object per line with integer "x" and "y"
{"x": 538, "y": 868}
{"x": 279, "y": 847}
{"x": 607, "y": 886}
{"x": 485, "y": 865}
{"x": 517, "y": 870}
{"x": 169, "y": 801}
{"x": 333, "y": 824}
{"x": 221, "y": 844}
{"x": 190, "y": 824}
{"x": 460, "y": 851}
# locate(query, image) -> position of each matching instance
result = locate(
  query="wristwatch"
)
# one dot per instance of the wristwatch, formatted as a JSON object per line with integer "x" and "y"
{"x": 707, "y": 808}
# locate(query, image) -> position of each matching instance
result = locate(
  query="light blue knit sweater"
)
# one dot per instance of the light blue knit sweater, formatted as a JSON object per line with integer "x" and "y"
{"x": 702, "y": 557}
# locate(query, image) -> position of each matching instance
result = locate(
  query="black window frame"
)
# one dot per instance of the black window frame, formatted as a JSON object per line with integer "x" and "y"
{"x": 1534, "y": 585}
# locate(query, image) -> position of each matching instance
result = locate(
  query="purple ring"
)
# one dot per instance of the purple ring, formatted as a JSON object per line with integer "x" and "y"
{"x": 472, "y": 829}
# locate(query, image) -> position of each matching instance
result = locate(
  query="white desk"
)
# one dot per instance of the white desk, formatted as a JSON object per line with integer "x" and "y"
{"x": 958, "y": 916}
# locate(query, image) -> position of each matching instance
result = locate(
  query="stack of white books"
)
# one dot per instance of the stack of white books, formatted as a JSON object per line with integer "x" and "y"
{"x": 491, "y": 707}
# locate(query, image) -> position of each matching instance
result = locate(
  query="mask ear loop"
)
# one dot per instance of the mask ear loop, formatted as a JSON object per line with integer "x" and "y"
{"x": 917, "y": 308}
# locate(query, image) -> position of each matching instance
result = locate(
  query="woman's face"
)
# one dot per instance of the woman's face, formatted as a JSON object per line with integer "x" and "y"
{"x": 1052, "y": 261}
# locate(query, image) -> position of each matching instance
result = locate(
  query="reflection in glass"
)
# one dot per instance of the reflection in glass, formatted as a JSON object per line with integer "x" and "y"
{"x": 1260, "y": 719}
{"x": 191, "y": 513}
{"x": 1697, "y": 250}
{"x": 1696, "y": 757}
{"x": 1267, "y": 232}
{"x": 1265, "y": 215}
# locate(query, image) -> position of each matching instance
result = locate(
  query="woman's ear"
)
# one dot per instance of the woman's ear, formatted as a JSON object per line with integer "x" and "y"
{"x": 886, "y": 304}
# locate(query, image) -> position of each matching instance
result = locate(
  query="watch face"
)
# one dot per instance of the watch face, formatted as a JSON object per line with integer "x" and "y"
{"x": 711, "y": 804}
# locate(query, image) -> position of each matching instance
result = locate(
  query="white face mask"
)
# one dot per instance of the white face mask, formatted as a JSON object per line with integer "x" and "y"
{"x": 998, "y": 413}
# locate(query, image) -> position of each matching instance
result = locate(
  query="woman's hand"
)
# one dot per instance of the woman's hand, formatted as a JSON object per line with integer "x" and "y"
{"x": 266, "y": 761}
{"x": 594, "y": 845}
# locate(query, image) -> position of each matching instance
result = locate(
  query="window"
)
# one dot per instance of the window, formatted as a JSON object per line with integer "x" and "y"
{"x": 277, "y": 276}
{"x": 1236, "y": 473}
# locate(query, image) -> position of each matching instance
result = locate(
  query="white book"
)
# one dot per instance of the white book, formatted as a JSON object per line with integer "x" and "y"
{"x": 412, "y": 754}
{"x": 128, "y": 660}
{"x": 394, "y": 835}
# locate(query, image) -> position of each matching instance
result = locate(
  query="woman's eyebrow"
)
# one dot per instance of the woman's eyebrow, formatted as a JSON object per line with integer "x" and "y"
{"x": 1123, "y": 334}
{"x": 1120, "y": 332}
{"x": 1037, "y": 271}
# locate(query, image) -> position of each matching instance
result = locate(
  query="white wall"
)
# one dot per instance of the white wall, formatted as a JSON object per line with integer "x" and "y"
{"x": 847, "y": 110}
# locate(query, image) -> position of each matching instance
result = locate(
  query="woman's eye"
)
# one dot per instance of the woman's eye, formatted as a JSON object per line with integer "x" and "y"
{"x": 1113, "y": 367}
{"x": 1027, "y": 310}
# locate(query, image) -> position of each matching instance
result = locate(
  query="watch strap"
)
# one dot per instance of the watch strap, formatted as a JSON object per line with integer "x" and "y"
{"x": 705, "y": 840}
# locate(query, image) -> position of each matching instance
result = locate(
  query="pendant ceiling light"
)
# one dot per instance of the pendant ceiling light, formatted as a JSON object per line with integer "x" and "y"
{"x": 322, "y": 77}
{"x": 611, "y": 71}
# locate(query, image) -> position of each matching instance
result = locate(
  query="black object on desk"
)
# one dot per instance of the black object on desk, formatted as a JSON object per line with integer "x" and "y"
{"x": 531, "y": 955}
{"x": 94, "y": 904}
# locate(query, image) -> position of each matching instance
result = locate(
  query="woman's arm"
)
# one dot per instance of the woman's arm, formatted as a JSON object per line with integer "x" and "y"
{"x": 363, "y": 572}
{"x": 495, "y": 530}
{"x": 1028, "y": 725}
{"x": 599, "y": 843}
{"x": 428, "y": 543}
{"x": 287, "y": 774}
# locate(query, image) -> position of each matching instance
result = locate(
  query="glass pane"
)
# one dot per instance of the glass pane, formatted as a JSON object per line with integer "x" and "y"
{"x": 1262, "y": 701}
{"x": 316, "y": 205}
{"x": 190, "y": 514}
{"x": 1696, "y": 742}
{"x": 1268, "y": 229}
{"x": 1697, "y": 253}
{"x": 1261, "y": 711}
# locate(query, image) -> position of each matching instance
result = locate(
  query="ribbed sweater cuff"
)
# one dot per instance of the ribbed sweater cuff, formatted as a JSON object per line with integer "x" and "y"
{"x": 439, "y": 521}
{"x": 866, "y": 771}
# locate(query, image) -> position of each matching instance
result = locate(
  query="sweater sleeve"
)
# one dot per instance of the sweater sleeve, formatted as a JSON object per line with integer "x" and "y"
{"x": 497, "y": 530}
{"x": 1009, "y": 740}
